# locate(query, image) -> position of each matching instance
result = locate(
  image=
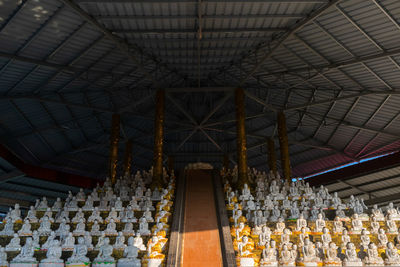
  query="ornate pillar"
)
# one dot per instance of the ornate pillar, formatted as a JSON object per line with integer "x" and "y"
{"x": 158, "y": 140}
{"x": 241, "y": 138}
{"x": 284, "y": 146}
{"x": 114, "y": 139}
{"x": 128, "y": 157}
{"x": 271, "y": 155}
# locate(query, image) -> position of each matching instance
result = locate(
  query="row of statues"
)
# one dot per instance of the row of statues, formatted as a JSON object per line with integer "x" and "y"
{"x": 77, "y": 219}
{"x": 282, "y": 224}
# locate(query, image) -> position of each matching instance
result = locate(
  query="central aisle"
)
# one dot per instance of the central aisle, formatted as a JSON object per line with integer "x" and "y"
{"x": 201, "y": 244}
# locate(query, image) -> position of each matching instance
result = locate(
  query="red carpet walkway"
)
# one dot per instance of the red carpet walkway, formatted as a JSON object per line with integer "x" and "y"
{"x": 201, "y": 243}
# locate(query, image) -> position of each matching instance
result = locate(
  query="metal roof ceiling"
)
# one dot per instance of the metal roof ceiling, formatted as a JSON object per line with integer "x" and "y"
{"x": 332, "y": 66}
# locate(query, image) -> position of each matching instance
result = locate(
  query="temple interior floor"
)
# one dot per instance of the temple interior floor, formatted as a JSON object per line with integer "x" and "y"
{"x": 201, "y": 242}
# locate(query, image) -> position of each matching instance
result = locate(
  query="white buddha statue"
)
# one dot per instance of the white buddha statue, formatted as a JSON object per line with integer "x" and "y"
{"x": 382, "y": 238}
{"x": 88, "y": 240}
{"x": 72, "y": 205}
{"x": 43, "y": 204}
{"x": 80, "y": 228}
{"x": 53, "y": 255}
{"x": 128, "y": 229}
{"x": 149, "y": 218}
{"x": 3, "y": 257}
{"x": 280, "y": 226}
{"x": 309, "y": 252}
{"x": 63, "y": 228}
{"x": 285, "y": 237}
{"x": 118, "y": 204}
{"x": 375, "y": 225}
{"x": 269, "y": 256}
{"x": 130, "y": 256}
{"x": 392, "y": 255}
{"x": 392, "y": 211}
{"x": 326, "y": 238}
{"x": 111, "y": 228}
{"x": 294, "y": 211}
{"x": 391, "y": 224}
{"x": 331, "y": 258}
{"x": 287, "y": 257}
{"x": 69, "y": 242}
{"x": 8, "y": 229}
{"x": 63, "y": 214}
{"x": 31, "y": 215}
{"x": 129, "y": 216}
{"x": 356, "y": 224}
{"x": 319, "y": 223}
{"x": 95, "y": 230}
{"x": 45, "y": 226}
{"x": 301, "y": 223}
{"x": 246, "y": 194}
{"x": 120, "y": 241}
{"x": 79, "y": 253}
{"x": 57, "y": 205}
{"x": 105, "y": 254}
{"x": 14, "y": 244}
{"x": 345, "y": 239}
{"x": 103, "y": 205}
{"x": 351, "y": 258}
{"x": 138, "y": 242}
{"x": 26, "y": 254}
{"x": 79, "y": 216}
{"x": 143, "y": 226}
{"x": 80, "y": 196}
{"x": 25, "y": 229}
{"x": 15, "y": 214}
{"x": 49, "y": 241}
{"x": 337, "y": 225}
{"x": 377, "y": 213}
{"x": 364, "y": 238}
{"x": 276, "y": 214}
{"x": 373, "y": 258}
{"x": 88, "y": 204}
{"x": 49, "y": 215}
{"x": 95, "y": 216}
{"x": 113, "y": 215}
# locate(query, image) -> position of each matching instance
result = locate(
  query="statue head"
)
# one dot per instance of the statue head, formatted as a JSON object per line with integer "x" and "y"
{"x": 345, "y": 232}
{"x": 390, "y": 245}
{"x": 332, "y": 245}
{"x": 81, "y": 240}
{"x": 320, "y": 216}
{"x": 325, "y": 230}
{"x": 154, "y": 239}
{"x": 355, "y": 216}
{"x": 106, "y": 241}
{"x": 273, "y": 243}
{"x": 241, "y": 225}
{"x": 130, "y": 241}
{"x": 28, "y": 241}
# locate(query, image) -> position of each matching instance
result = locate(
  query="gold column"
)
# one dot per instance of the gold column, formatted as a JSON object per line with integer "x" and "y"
{"x": 271, "y": 155}
{"x": 114, "y": 139}
{"x": 128, "y": 157}
{"x": 241, "y": 138}
{"x": 284, "y": 146}
{"x": 158, "y": 140}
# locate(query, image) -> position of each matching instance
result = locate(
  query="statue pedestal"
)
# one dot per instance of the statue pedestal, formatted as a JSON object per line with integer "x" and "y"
{"x": 310, "y": 263}
{"x": 153, "y": 262}
{"x": 244, "y": 262}
{"x": 129, "y": 263}
{"x": 289, "y": 263}
{"x": 77, "y": 264}
{"x": 103, "y": 264}
{"x": 332, "y": 263}
{"x": 352, "y": 263}
{"x": 23, "y": 264}
{"x": 268, "y": 263}
{"x": 51, "y": 264}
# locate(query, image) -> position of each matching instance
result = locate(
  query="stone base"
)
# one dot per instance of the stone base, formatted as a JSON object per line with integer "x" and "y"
{"x": 291, "y": 263}
{"x": 244, "y": 262}
{"x": 333, "y": 263}
{"x": 51, "y": 264}
{"x": 23, "y": 264}
{"x": 154, "y": 262}
{"x": 77, "y": 264}
{"x": 268, "y": 264}
{"x": 392, "y": 264}
{"x": 375, "y": 264}
{"x": 129, "y": 263}
{"x": 352, "y": 263}
{"x": 310, "y": 264}
{"x": 103, "y": 264}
